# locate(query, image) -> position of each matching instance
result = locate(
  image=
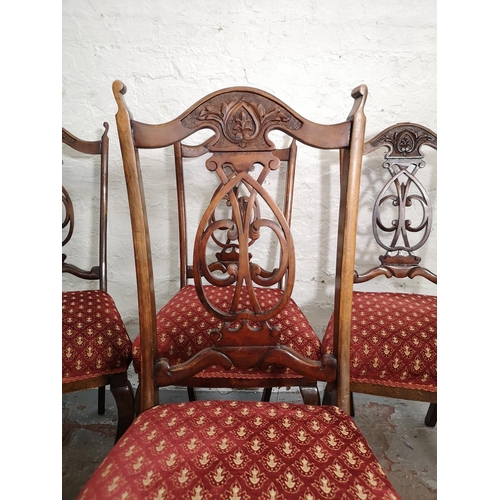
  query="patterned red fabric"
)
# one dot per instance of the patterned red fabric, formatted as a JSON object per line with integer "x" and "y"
{"x": 393, "y": 340}
{"x": 94, "y": 339}
{"x": 184, "y": 326}
{"x": 238, "y": 450}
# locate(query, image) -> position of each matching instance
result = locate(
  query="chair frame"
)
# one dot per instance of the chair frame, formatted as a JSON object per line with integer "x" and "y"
{"x": 347, "y": 137}
{"x": 405, "y": 264}
{"x": 119, "y": 383}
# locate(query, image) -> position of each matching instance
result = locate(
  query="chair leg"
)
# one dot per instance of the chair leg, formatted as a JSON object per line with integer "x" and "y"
{"x": 431, "y": 417}
{"x": 138, "y": 400}
{"x": 192, "y": 394}
{"x": 266, "y": 394}
{"x": 330, "y": 395}
{"x": 101, "y": 399}
{"x": 122, "y": 391}
{"x": 310, "y": 394}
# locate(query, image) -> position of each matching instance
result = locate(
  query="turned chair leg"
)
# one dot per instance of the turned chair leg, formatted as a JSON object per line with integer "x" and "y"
{"x": 122, "y": 391}
{"x": 101, "y": 399}
{"x": 352, "y": 405}
{"x": 431, "y": 417}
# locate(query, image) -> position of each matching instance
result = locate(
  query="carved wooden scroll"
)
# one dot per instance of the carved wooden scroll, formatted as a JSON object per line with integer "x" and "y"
{"x": 242, "y": 159}
{"x": 402, "y": 192}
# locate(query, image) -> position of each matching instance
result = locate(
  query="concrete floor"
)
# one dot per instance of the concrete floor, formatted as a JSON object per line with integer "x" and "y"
{"x": 394, "y": 428}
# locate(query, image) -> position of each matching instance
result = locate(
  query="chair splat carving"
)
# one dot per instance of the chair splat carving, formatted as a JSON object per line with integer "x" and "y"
{"x": 403, "y": 190}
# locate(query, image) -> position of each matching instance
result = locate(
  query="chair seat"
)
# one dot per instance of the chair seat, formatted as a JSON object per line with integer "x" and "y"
{"x": 393, "y": 340}
{"x": 240, "y": 450}
{"x": 94, "y": 339}
{"x": 184, "y": 327}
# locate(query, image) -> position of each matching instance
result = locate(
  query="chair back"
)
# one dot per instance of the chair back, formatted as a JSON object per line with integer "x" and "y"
{"x": 101, "y": 148}
{"x": 240, "y": 214}
{"x": 402, "y": 212}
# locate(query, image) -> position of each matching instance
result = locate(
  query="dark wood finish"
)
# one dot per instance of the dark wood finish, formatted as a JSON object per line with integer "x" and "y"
{"x": 101, "y": 148}
{"x": 119, "y": 384}
{"x": 403, "y": 160}
{"x": 266, "y": 394}
{"x": 431, "y": 416}
{"x": 241, "y": 119}
{"x": 101, "y": 400}
{"x": 122, "y": 391}
{"x": 310, "y": 394}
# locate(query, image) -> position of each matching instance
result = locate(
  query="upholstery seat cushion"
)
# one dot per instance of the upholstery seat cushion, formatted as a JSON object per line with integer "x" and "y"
{"x": 240, "y": 450}
{"x": 94, "y": 339}
{"x": 393, "y": 339}
{"x": 184, "y": 327}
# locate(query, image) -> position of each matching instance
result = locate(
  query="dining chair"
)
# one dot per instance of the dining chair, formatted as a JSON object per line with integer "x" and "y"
{"x": 229, "y": 288}
{"x": 393, "y": 350}
{"x": 96, "y": 348}
{"x": 224, "y": 448}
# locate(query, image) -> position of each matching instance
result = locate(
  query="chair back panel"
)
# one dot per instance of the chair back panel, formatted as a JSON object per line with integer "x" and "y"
{"x": 396, "y": 230}
{"x": 233, "y": 203}
{"x": 239, "y": 213}
{"x": 100, "y": 147}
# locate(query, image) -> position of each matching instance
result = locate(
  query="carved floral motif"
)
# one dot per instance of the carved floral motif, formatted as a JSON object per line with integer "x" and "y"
{"x": 241, "y": 121}
{"x": 406, "y": 142}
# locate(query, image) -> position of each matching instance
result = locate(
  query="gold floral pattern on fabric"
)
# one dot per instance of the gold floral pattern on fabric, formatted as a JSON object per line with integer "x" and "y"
{"x": 393, "y": 339}
{"x": 227, "y": 464}
{"x": 94, "y": 339}
{"x": 184, "y": 327}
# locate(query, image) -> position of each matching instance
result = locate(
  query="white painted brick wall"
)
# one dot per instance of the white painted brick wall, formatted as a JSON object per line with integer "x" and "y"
{"x": 310, "y": 54}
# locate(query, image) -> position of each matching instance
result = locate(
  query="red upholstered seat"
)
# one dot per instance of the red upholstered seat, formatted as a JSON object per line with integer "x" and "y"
{"x": 240, "y": 450}
{"x": 393, "y": 341}
{"x": 94, "y": 339}
{"x": 184, "y": 328}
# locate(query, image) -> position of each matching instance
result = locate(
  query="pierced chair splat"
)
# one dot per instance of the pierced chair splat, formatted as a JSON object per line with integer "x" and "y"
{"x": 393, "y": 347}
{"x": 96, "y": 349}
